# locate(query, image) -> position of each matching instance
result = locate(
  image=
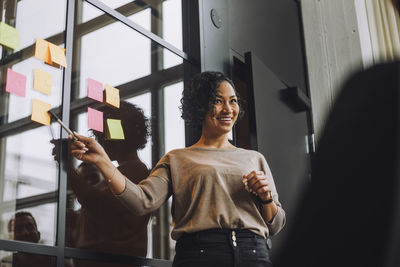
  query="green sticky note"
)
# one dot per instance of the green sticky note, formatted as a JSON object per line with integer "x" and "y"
{"x": 114, "y": 130}
{"x": 9, "y": 36}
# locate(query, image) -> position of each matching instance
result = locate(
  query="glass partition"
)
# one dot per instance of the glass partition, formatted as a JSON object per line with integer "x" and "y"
{"x": 21, "y": 259}
{"x": 117, "y": 56}
{"x": 28, "y": 169}
{"x": 161, "y": 17}
{"x": 105, "y": 51}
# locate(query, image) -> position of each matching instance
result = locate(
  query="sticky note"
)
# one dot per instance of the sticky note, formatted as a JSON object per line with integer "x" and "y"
{"x": 42, "y": 50}
{"x": 50, "y": 53}
{"x": 111, "y": 96}
{"x": 9, "y": 36}
{"x": 114, "y": 130}
{"x": 95, "y": 119}
{"x": 15, "y": 83}
{"x": 57, "y": 55}
{"x": 42, "y": 81}
{"x": 95, "y": 90}
{"x": 40, "y": 112}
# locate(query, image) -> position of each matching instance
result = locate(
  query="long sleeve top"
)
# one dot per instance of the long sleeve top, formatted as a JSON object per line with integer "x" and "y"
{"x": 207, "y": 190}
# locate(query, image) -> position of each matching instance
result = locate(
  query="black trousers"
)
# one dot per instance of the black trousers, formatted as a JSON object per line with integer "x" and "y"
{"x": 221, "y": 248}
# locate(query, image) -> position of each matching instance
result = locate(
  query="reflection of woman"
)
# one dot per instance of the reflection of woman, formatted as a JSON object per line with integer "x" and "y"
{"x": 102, "y": 223}
{"x": 225, "y": 203}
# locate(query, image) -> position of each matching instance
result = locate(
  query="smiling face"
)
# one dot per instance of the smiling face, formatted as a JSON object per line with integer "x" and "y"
{"x": 24, "y": 228}
{"x": 220, "y": 119}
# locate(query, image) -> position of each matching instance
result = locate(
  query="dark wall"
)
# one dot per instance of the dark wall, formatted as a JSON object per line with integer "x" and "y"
{"x": 271, "y": 30}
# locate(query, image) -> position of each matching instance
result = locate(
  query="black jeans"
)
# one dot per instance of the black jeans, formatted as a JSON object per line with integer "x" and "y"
{"x": 220, "y": 248}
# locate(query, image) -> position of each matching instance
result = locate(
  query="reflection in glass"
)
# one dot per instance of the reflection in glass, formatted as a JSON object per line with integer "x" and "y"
{"x": 114, "y": 54}
{"x": 21, "y": 259}
{"x": 44, "y": 218}
{"x": 28, "y": 172}
{"x": 102, "y": 223}
{"x": 144, "y": 102}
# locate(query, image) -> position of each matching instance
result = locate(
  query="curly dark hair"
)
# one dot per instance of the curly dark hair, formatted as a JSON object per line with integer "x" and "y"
{"x": 135, "y": 126}
{"x": 199, "y": 96}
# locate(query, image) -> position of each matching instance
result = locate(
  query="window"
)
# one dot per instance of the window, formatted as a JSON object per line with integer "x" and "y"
{"x": 126, "y": 50}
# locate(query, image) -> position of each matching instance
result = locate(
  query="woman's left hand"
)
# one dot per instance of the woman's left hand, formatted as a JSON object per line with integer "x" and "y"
{"x": 256, "y": 182}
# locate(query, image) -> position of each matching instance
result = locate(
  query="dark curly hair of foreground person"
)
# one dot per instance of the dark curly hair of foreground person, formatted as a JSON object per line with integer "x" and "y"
{"x": 199, "y": 96}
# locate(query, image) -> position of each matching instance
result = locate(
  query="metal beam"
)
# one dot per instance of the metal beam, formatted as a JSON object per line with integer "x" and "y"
{"x": 138, "y": 28}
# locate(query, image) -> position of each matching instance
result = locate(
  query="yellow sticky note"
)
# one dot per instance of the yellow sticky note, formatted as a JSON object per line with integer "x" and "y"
{"x": 42, "y": 81}
{"x": 40, "y": 112}
{"x": 114, "y": 130}
{"x": 57, "y": 55}
{"x": 9, "y": 36}
{"x": 111, "y": 96}
{"x": 42, "y": 50}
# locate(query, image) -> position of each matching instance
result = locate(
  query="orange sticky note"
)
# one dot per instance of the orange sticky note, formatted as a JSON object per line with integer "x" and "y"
{"x": 40, "y": 112}
{"x": 42, "y": 50}
{"x": 42, "y": 81}
{"x": 95, "y": 119}
{"x": 15, "y": 83}
{"x": 95, "y": 90}
{"x": 114, "y": 130}
{"x": 57, "y": 55}
{"x": 111, "y": 96}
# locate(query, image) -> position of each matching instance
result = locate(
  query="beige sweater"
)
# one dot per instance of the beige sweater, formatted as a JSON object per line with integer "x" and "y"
{"x": 207, "y": 189}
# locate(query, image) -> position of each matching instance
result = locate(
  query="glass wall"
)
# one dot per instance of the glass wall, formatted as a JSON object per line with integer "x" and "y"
{"x": 109, "y": 52}
{"x": 21, "y": 259}
{"x": 28, "y": 171}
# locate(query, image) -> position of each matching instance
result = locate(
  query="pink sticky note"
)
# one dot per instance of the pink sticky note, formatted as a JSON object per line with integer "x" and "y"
{"x": 95, "y": 119}
{"x": 16, "y": 83}
{"x": 95, "y": 90}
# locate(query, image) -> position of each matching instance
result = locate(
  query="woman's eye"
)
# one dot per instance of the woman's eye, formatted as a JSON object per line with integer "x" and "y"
{"x": 217, "y": 101}
{"x": 234, "y": 100}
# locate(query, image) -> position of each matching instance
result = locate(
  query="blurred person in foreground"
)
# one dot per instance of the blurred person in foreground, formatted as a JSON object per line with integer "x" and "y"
{"x": 349, "y": 215}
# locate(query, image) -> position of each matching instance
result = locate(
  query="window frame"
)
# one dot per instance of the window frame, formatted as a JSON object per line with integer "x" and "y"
{"x": 154, "y": 82}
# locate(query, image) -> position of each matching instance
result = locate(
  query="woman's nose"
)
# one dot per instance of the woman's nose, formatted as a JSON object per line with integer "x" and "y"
{"x": 227, "y": 107}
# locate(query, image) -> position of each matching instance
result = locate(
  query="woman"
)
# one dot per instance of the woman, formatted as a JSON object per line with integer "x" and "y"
{"x": 225, "y": 203}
